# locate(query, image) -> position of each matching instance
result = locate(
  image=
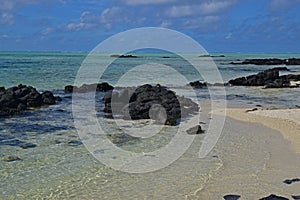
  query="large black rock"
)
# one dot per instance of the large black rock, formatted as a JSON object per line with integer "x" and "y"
{"x": 274, "y": 197}
{"x": 16, "y": 99}
{"x": 99, "y": 87}
{"x": 269, "y": 78}
{"x": 269, "y": 61}
{"x": 147, "y": 101}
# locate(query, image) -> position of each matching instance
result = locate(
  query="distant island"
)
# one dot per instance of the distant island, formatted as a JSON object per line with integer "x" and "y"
{"x": 207, "y": 55}
{"x": 123, "y": 56}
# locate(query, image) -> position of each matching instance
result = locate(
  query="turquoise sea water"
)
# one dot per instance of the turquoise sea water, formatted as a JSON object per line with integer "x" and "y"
{"x": 56, "y": 169}
{"x": 52, "y": 71}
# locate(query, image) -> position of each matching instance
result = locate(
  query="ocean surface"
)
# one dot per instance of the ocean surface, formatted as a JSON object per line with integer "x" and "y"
{"x": 60, "y": 167}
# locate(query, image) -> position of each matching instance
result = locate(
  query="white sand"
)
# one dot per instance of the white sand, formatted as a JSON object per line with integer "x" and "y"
{"x": 287, "y": 121}
{"x": 256, "y": 157}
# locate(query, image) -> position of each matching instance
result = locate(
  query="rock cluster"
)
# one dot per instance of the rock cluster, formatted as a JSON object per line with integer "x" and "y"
{"x": 99, "y": 87}
{"x": 199, "y": 84}
{"x": 269, "y": 61}
{"x": 147, "y": 101}
{"x": 269, "y": 78}
{"x": 14, "y": 100}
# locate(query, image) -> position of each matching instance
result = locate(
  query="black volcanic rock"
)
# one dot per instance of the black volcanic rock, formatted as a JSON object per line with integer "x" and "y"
{"x": 69, "y": 88}
{"x": 123, "y": 56}
{"x": 259, "y": 79}
{"x": 195, "y": 130}
{"x": 296, "y": 197}
{"x": 146, "y": 101}
{"x": 290, "y": 181}
{"x": 99, "y": 87}
{"x": 48, "y": 98}
{"x": 198, "y": 84}
{"x": 269, "y": 61}
{"x": 269, "y": 78}
{"x": 232, "y": 197}
{"x": 274, "y": 197}
{"x": 14, "y": 100}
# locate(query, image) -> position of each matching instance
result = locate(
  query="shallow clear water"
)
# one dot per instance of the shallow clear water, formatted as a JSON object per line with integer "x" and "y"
{"x": 57, "y": 169}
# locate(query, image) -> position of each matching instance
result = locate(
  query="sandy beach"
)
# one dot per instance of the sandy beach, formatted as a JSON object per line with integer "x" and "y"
{"x": 266, "y": 153}
{"x": 286, "y": 121}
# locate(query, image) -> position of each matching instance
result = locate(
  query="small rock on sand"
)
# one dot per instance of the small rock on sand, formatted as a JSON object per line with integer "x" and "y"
{"x": 290, "y": 181}
{"x": 232, "y": 197}
{"x": 195, "y": 130}
{"x": 274, "y": 197}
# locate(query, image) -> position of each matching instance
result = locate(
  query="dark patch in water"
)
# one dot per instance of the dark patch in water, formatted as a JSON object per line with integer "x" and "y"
{"x": 16, "y": 143}
{"x": 74, "y": 143}
{"x": 17, "y": 127}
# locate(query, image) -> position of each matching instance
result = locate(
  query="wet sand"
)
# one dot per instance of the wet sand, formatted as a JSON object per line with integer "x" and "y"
{"x": 286, "y": 121}
{"x": 256, "y": 157}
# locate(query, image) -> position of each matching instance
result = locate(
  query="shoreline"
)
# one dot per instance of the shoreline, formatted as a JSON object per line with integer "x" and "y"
{"x": 283, "y": 120}
{"x": 259, "y": 152}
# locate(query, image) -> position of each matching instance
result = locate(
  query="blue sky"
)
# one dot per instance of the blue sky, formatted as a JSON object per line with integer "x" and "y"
{"x": 218, "y": 25}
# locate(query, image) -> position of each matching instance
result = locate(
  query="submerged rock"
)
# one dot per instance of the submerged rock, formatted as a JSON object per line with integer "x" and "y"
{"x": 121, "y": 138}
{"x": 11, "y": 141}
{"x": 16, "y": 99}
{"x": 27, "y": 145}
{"x": 147, "y": 101}
{"x": 74, "y": 143}
{"x": 11, "y": 158}
{"x": 274, "y": 197}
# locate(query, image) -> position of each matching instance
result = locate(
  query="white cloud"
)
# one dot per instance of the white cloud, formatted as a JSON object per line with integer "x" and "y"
{"x": 228, "y": 36}
{"x": 87, "y": 20}
{"x": 176, "y": 14}
{"x": 107, "y": 19}
{"x": 215, "y": 7}
{"x": 166, "y": 24}
{"x": 146, "y": 2}
{"x": 277, "y": 5}
{"x": 7, "y": 12}
{"x": 4, "y": 36}
{"x": 204, "y": 23}
{"x": 9, "y": 8}
{"x": 203, "y": 8}
{"x": 181, "y": 11}
{"x": 112, "y": 16}
{"x": 47, "y": 31}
